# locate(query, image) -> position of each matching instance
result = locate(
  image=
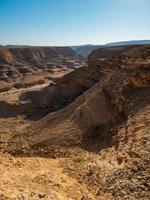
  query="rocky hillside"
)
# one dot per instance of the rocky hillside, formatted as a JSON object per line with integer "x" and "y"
{"x": 101, "y": 63}
{"x": 25, "y": 65}
{"x": 100, "y": 130}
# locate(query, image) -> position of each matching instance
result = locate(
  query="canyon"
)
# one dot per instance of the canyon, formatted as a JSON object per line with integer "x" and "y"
{"x": 28, "y": 66}
{"x": 81, "y": 134}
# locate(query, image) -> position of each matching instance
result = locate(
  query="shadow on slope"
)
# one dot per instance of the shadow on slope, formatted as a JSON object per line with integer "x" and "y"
{"x": 28, "y": 110}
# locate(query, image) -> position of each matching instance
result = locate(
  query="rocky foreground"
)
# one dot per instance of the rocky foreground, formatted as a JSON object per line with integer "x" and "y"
{"x": 86, "y": 137}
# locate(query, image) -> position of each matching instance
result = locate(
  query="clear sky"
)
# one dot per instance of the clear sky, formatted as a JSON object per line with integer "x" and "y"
{"x": 70, "y": 22}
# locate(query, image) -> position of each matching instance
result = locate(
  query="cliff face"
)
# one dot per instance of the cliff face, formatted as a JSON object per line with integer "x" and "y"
{"x": 129, "y": 57}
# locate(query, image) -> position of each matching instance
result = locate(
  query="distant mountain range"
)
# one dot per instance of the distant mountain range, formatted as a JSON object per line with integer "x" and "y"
{"x": 132, "y": 42}
{"x": 85, "y": 50}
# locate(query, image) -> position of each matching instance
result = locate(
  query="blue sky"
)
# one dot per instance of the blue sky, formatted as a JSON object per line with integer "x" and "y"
{"x": 70, "y": 22}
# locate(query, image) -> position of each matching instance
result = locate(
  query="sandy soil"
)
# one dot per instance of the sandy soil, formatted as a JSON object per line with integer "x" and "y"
{"x": 34, "y": 177}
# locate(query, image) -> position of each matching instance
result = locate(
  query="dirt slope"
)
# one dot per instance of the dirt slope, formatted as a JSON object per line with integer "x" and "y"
{"x": 45, "y": 181}
{"x": 34, "y": 177}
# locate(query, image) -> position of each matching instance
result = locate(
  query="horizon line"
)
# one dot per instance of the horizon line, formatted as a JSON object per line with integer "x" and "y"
{"x": 92, "y": 44}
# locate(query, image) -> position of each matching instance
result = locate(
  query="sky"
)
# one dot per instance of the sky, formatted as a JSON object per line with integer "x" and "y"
{"x": 73, "y": 22}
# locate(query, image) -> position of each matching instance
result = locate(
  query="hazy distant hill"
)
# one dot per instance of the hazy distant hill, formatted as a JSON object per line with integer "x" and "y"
{"x": 85, "y": 50}
{"x": 14, "y": 46}
{"x": 133, "y": 42}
